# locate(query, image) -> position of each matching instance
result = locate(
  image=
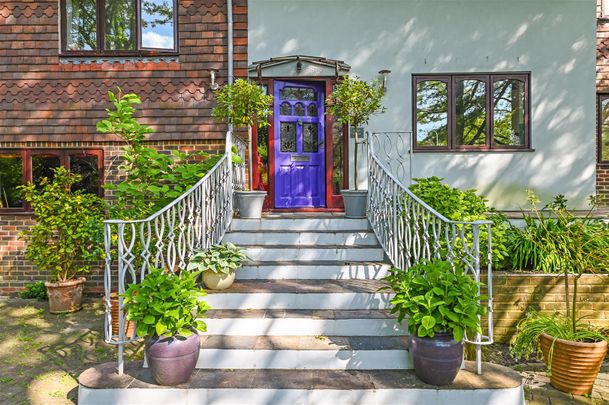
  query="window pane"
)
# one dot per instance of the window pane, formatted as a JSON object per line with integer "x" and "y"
{"x": 81, "y": 25}
{"x": 299, "y": 109}
{"x": 287, "y": 135}
{"x": 604, "y": 130}
{"x": 312, "y": 110}
{"x": 432, "y": 113}
{"x": 297, "y": 93}
{"x": 285, "y": 108}
{"x": 87, "y": 167}
{"x": 42, "y": 166}
{"x": 508, "y": 114}
{"x": 157, "y": 24}
{"x": 120, "y": 25}
{"x": 470, "y": 102}
{"x": 310, "y": 138}
{"x": 11, "y": 176}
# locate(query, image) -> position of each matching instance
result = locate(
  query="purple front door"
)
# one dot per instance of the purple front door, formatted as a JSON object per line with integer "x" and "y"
{"x": 300, "y": 180}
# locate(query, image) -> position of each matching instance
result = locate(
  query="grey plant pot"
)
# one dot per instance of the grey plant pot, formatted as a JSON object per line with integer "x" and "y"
{"x": 250, "y": 203}
{"x": 355, "y": 203}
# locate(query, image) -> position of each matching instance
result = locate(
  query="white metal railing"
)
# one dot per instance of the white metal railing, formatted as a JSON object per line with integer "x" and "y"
{"x": 409, "y": 230}
{"x": 195, "y": 220}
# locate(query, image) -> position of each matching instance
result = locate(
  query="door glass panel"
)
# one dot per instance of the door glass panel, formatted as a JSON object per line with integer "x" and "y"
{"x": 432, "y": 113}
{"x": 157, "y": 24}
{"x": 11, "y": 176}
{"x": 299, "y": 109}
{"x": 120, "y": 25}
{"x": 310, "y": 138}
{"x": 42, "y": 167}
{"x": 312, "y": 110}
{"x": 81, "y": 25}
{"x": 337, "y": 149}
{"x": 508, "y": 112}
{"x": 285, "y": 108}
{"x": 470, "y": 102}
{"x": 297, "y": 93}
{"x": 87, "y": 167}
{"x": 604, "y": 141}
{"x": 287, "y": 136}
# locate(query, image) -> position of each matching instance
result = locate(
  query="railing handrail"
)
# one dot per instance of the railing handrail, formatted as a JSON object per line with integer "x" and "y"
{"x": 418, "y": 200}
{"x": 167, "y": 207}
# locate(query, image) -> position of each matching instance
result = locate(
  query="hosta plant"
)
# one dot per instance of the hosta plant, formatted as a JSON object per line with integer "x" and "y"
{"x": 223, "y": 258}
{"x": 436, "y": 298}
{"x": 166, "y": 304}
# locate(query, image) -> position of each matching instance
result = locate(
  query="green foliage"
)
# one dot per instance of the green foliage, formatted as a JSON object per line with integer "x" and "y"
{"x": 555, "y": 240}
{"x": 436, "y": 298}
{"x": 354, "y": 101}
{"x": 68, "y": 235}
{"x": 468, "y": 206}
{"x": 242, "y": 104}
{"x": 163, "y": 304}
{"x": 153, "y": 179}
{"x": 526, "y": 340}
{"x": 223, "y": 258}
{"x": 35, "y": 290}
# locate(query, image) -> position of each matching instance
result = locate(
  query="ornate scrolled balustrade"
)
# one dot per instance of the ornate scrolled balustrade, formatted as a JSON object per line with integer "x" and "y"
{"x": 195, "y": 220}
{"x": 409, "y": 230}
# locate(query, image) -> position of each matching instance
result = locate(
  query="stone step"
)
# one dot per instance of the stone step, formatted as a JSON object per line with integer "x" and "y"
{"x": 304, "y": 352}
{"x": 269, "y": 322}
{"x": 315, "y": 253}
{"x": 300, "y": 224}
{"x": 332, "y": 270}
{"x": 301, "y": 294}
{"x": 303, "y": 238}
{"x": 496, "y": 386}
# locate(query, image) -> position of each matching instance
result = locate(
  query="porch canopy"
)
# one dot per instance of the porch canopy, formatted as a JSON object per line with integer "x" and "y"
{"x": 298, "y": 66}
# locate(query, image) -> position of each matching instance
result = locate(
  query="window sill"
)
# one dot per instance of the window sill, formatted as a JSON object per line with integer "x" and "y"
{"x": 468, "y": 151}
{"x": 98, "y": 63}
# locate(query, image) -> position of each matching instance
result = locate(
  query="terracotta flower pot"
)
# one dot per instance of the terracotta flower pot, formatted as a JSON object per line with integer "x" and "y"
{"x": 129, "y": 326}
{"x": 437, "y": 360}
{"x": 218, "y": 281}
{"x": 65, "y": 296}
{"x": 172, "y": 360}
{"x": 574, "y": 365}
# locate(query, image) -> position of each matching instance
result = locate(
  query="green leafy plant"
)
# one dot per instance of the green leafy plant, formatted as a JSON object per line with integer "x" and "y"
{"x": 436, "y": 298}
{"x": 68, "y": 235}
{"x": 243, "y": 104}
{"x": 153, "y": 179}
{"x": 223, "y": 258}
{"x": 353, "y": 102}
{"x": 166, "y": 304}
{"x": 35, "y": 290}
{"x": 568, "y": 244}
{"x": 459, "y": 205}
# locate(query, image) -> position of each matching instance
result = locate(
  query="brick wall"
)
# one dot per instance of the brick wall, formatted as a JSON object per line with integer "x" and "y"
{"x": 514, "y": 294}
{"x": 16, "y": 271}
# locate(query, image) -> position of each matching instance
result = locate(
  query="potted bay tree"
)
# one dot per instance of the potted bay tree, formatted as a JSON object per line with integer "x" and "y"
{"x": 167, "y": 309}
{"x": 244, "y": 104}
{"x": 353, "y": 102}
{"x": 442, "y": 305}
{"x": 67, "y": 238}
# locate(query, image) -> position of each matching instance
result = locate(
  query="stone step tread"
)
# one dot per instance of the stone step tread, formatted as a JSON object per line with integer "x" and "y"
{"x": 104, "y": 376}
{"x": 316, "y": 247}
{"x": 316, "y": 263}
{"x": 326, "y": 314}
{"x": 304, "y": 342}
{"x": 306, "y": 231}
{"x": 306, "y": 286}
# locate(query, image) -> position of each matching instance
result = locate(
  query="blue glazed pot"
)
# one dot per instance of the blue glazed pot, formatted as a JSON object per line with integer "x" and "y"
{"x": 437, "y": 360}
{"x": 172, "y": 360}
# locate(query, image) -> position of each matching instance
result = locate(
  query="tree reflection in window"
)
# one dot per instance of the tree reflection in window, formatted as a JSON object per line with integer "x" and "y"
{"x": 310, "y": 138}
{"x": 87, "y": 167}
{"x": 287, "y": 136}
{"x": 470, "y": 103}
{"x": 604, "y": 136}
{"x": 11, "y": 177}
{"x": 432, "y": 113}
{"x": 120, "y": 25}
{"x": 81, "y": 25}
{"x": 157, "y": 24}
{"x": 299, "y": 109}
{"x": 42, "y": 167}
{"x": 508, "y": 112}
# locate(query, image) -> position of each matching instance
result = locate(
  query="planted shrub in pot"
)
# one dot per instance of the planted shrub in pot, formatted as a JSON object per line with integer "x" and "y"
{"x": 244, "y": 104}
{"x": 218, "y": 264}
{"x": 167, "y": 310}
{"x": 67, "y": 238}
{"x": 353, "y": 102}
{"x": 563, "y": 243}
{"x": 442, "y": 305}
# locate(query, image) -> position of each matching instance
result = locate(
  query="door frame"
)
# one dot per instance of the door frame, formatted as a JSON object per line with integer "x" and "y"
{"x": 334, "y": 202}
